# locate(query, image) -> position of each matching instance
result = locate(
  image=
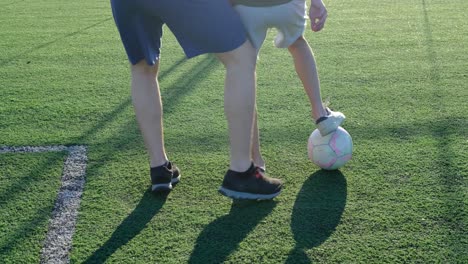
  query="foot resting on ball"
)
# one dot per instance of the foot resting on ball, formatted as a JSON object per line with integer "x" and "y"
{"x": 330, "y": 122}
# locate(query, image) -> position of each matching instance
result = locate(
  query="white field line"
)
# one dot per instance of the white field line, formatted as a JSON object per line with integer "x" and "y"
{"x": 58, "y": 241}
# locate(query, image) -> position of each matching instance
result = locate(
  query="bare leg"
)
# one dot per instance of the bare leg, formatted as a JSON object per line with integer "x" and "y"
{"x": 239, "y": 102}
{"x": 306, "y": 69}
{"x": 148, "y": 109}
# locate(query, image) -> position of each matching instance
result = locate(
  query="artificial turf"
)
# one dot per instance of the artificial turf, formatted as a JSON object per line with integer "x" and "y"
{"x": 397, "y": 69}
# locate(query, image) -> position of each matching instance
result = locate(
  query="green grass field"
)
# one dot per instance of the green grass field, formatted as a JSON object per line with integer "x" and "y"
{"x": 397, "y": 69}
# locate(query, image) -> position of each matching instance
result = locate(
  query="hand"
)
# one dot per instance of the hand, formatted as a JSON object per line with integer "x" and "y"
{"x": 317, "y": 14}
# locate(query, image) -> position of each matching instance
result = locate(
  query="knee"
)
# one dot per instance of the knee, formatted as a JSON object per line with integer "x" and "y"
{"x": 297, "y": 44}
{"x": 143, "y": 70}
{"x": 243, "y": 58}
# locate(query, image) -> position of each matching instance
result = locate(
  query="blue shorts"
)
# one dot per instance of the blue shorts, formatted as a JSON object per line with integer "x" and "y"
{"x": 200, "y": 26}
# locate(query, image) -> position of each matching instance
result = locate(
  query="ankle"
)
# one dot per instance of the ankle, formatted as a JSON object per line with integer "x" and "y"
{"x": 240, "y": 167}
{"x": 259, "y": 163}
{"x": 158, "y": 163}
{"x": 319, "y": 120}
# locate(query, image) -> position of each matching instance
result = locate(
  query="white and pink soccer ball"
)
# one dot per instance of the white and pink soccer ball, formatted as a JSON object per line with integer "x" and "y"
{"x": 332, "y": 151}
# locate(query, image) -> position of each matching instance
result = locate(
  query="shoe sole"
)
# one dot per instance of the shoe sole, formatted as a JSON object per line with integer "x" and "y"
{"x": 247, "y": 196}
{"x": 165, "y": 186}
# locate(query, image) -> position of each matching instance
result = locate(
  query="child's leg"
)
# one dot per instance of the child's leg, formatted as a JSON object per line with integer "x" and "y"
{"x": 304, "y": 61}
{"x": 306, "y": 69}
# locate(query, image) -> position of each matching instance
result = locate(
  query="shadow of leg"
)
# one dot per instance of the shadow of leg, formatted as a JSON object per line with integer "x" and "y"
{"x": 149, "y": 206}
{"x": 221, "y": 237}
{"x": 317, "y": 212}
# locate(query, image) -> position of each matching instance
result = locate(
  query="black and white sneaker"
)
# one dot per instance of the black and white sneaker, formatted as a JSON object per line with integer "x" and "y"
{"x": 251, "y": 185}
{"x": 164, "y": 176}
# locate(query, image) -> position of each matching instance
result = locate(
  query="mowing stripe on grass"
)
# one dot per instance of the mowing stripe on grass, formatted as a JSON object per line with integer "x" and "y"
{"x": 62, "y": 223}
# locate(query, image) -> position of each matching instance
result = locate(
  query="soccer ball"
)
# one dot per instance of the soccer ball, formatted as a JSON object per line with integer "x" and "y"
{"x": 332, "y": 151}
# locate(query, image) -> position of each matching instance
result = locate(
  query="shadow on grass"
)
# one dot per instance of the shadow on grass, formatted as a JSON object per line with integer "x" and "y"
{"x": 128, "y": 137}
{"x": 317, "y": 212}
{"x": 221, "y": 237}
{"x": 18, "y": 233}
{"x": 147, "y": 208}
{"x": 119, "y": 109}
{"x": 450, "y": 174}
{"x": 8, "y": 60}
{"x": 23, "y": 232}
{"x": 20, "y": 186}
{"x": 171, "y": 95}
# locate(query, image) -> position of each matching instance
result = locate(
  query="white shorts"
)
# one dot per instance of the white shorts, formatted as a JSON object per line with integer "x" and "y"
{"x": 289, "y": 19}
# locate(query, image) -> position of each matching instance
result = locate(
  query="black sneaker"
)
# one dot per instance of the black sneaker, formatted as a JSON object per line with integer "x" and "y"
{"x": 164, "y": 176}
{"x": 251, "y": 184}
